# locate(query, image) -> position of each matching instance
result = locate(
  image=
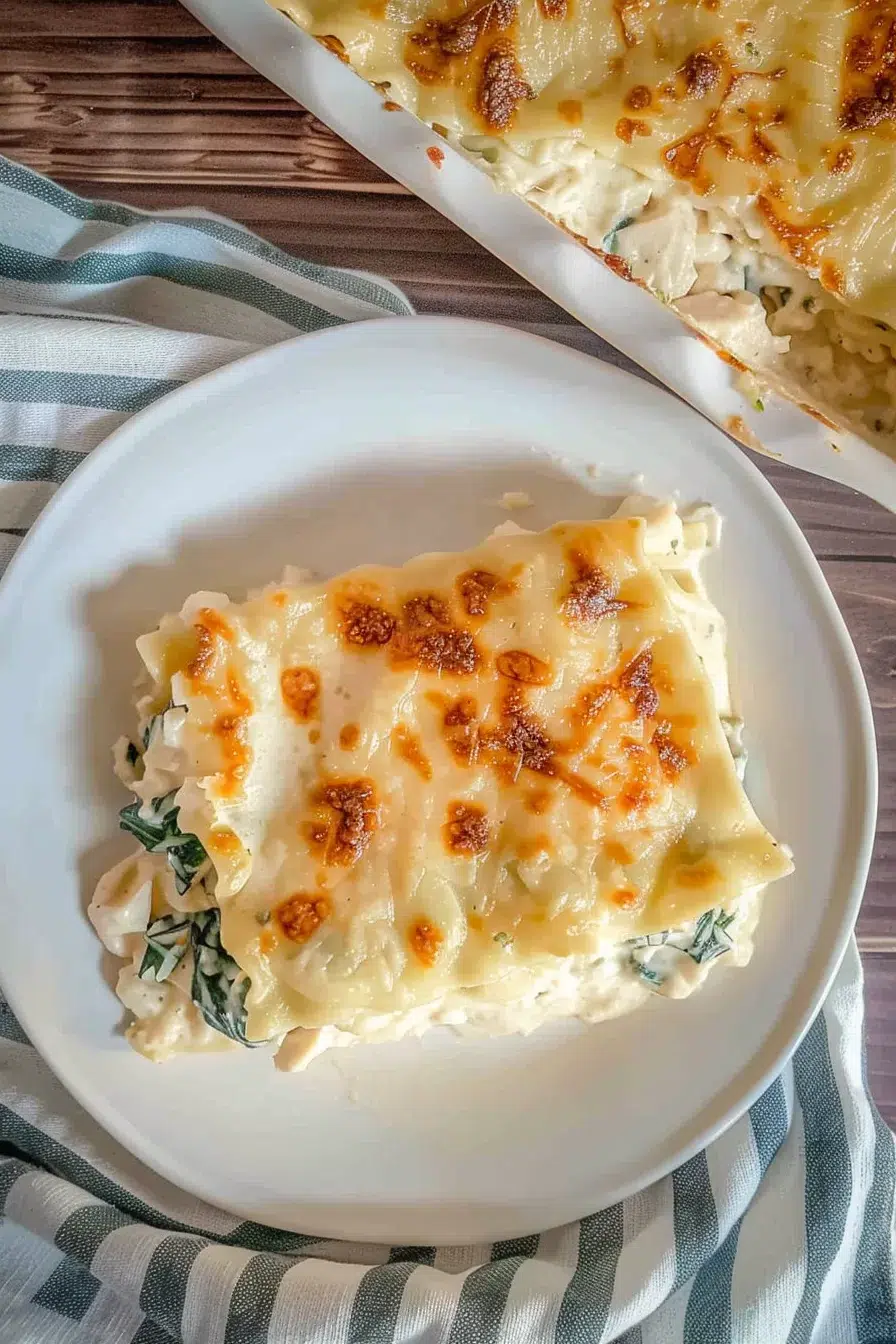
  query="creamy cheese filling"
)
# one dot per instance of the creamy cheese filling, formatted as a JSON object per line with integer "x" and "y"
{"x": 157, "y": 908}
{"x": 704, "y": 257}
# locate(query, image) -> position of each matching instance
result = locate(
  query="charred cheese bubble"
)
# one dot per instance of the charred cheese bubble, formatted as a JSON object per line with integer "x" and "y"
{"x": 486, "y": 788}
{"x": 735, "y": 158}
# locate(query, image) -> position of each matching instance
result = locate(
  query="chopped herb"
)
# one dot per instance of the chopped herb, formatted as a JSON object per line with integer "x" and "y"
{"x": 167, "y": 940}
{"x": 611, "y": 239}
{"x": 752, "y": 50}
{"x": 674, "y": 544}
{"x": 263, "y": 917}
{"x": 160, "y": 834}
{"x": 219, "y": 985}
{"x": 878, "y": 425}
{"x": 758, "y": 404}
{"x": 132, "y": 753}
{"x": 809, "y": 303}
{"x": 504, "y": 939}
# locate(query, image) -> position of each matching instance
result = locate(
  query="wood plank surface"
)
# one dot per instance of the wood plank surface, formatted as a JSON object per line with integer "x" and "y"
{"x": 134, "y": 100}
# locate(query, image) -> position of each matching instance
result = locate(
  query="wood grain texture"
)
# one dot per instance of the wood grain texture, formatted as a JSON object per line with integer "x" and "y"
{"x": 133, "y": 99}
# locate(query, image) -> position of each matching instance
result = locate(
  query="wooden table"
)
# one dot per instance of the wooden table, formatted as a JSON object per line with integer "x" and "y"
{"x": 132, "y": 99}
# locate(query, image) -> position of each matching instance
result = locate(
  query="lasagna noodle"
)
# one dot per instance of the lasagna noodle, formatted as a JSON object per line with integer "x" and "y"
{"x": 447, "y": 777}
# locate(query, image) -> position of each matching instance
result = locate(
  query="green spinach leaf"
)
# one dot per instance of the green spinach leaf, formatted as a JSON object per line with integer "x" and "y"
{"x": 219, "y": 985}
{"x": 167, "y": 940}
{"x": 709, "y": 940}
{"x": 159, "y": 833}
{"x": 711, "y": 937}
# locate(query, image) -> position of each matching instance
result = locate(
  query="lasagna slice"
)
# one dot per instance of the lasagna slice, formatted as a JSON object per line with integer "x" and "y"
{"x": 484, "y": 789}
{"x": 734, "y": 158}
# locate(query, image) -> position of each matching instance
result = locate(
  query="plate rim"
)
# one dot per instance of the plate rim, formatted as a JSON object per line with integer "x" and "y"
{"x": 127, "y": 438}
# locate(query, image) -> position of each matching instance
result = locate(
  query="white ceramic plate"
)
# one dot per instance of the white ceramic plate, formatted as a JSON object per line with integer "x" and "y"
{"x": 630, "y": 319}
{"x": 373, "y": 442}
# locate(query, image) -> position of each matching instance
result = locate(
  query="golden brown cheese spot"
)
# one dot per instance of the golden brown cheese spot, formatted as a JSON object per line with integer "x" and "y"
{"x": 300, "y": 688}
{"x": 638, "y": 98}
{"x": 762, "y": 151}
{"x": 334, "y": 45}
{"x": 832, "y": 277}
{"x": 618, "y": 265}
{"x": 364, "y": 625}
{"x": 475, "y": 923}
{"x": 224, "y": 841}
{"x": 428, "y": 638}
{"x": 697, "y": 875}
{"x": 501, "y": 88}
{"x": 346, "y": 829}
{"x": 435, "y": 155}
{"x": 586, "y": 710}
{"x": 591, "y": 594}
{"x": 672, "y": 758}
{"x": 279, "y": 598}
{"x": 636, "y": 685}
{"x": 521, "y": 741}
{"x": 390, "y": 106}
{"x": 627, "y": 129}
{"x": 702, "y": 72}
{"x": 617, "y": 853}
{"x": 425, "y": 939}
{"x": 624, "y": 898}
{"x": 518, "y": 665}
{"x": 477, "y": 588}
{"x": 637, "y": 794}
{"x": 408, "y": 745}
{"x": 531, "y": 846}
{"x": 267, "y": 941}
{"x": 800, "y": 240}
{"x": 211, "y": 630}
{"x": 460, "y": 729}
{"x": 538, "y": 802}
{"x": 553, "y": 9}
{"x": 570, "y": 109}
{"x": 231, "y": 731}
{"x": 426, "y": 611}
{"x": 349, "y": 736}
{"x": 302, "y": 915}
{"x": 442, "y": 50}
{"x": 868, "y": 76}
{"x": 684, "y": 160}
{"x": 841, "y": 160}
{"x": 466, "y": 830}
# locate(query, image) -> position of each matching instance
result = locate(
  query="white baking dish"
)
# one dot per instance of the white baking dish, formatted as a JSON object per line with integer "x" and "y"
{"x": 620, "y": 312}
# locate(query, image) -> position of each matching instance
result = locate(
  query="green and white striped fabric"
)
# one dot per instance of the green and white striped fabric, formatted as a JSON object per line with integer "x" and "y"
{"x": 781, "y": 1232}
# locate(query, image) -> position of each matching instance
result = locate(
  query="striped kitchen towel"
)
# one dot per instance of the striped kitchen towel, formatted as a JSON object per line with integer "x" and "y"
{"x": 781, "y": 1232}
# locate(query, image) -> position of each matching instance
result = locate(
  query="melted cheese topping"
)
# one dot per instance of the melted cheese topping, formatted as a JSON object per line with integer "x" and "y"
{"x": 793, "y": 107}
{"x": 457, "y": 791}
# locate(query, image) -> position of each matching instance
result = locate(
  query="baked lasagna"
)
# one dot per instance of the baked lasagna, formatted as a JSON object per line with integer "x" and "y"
{"x": 484, "y": 789}
{"x": 736, "y": 159}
